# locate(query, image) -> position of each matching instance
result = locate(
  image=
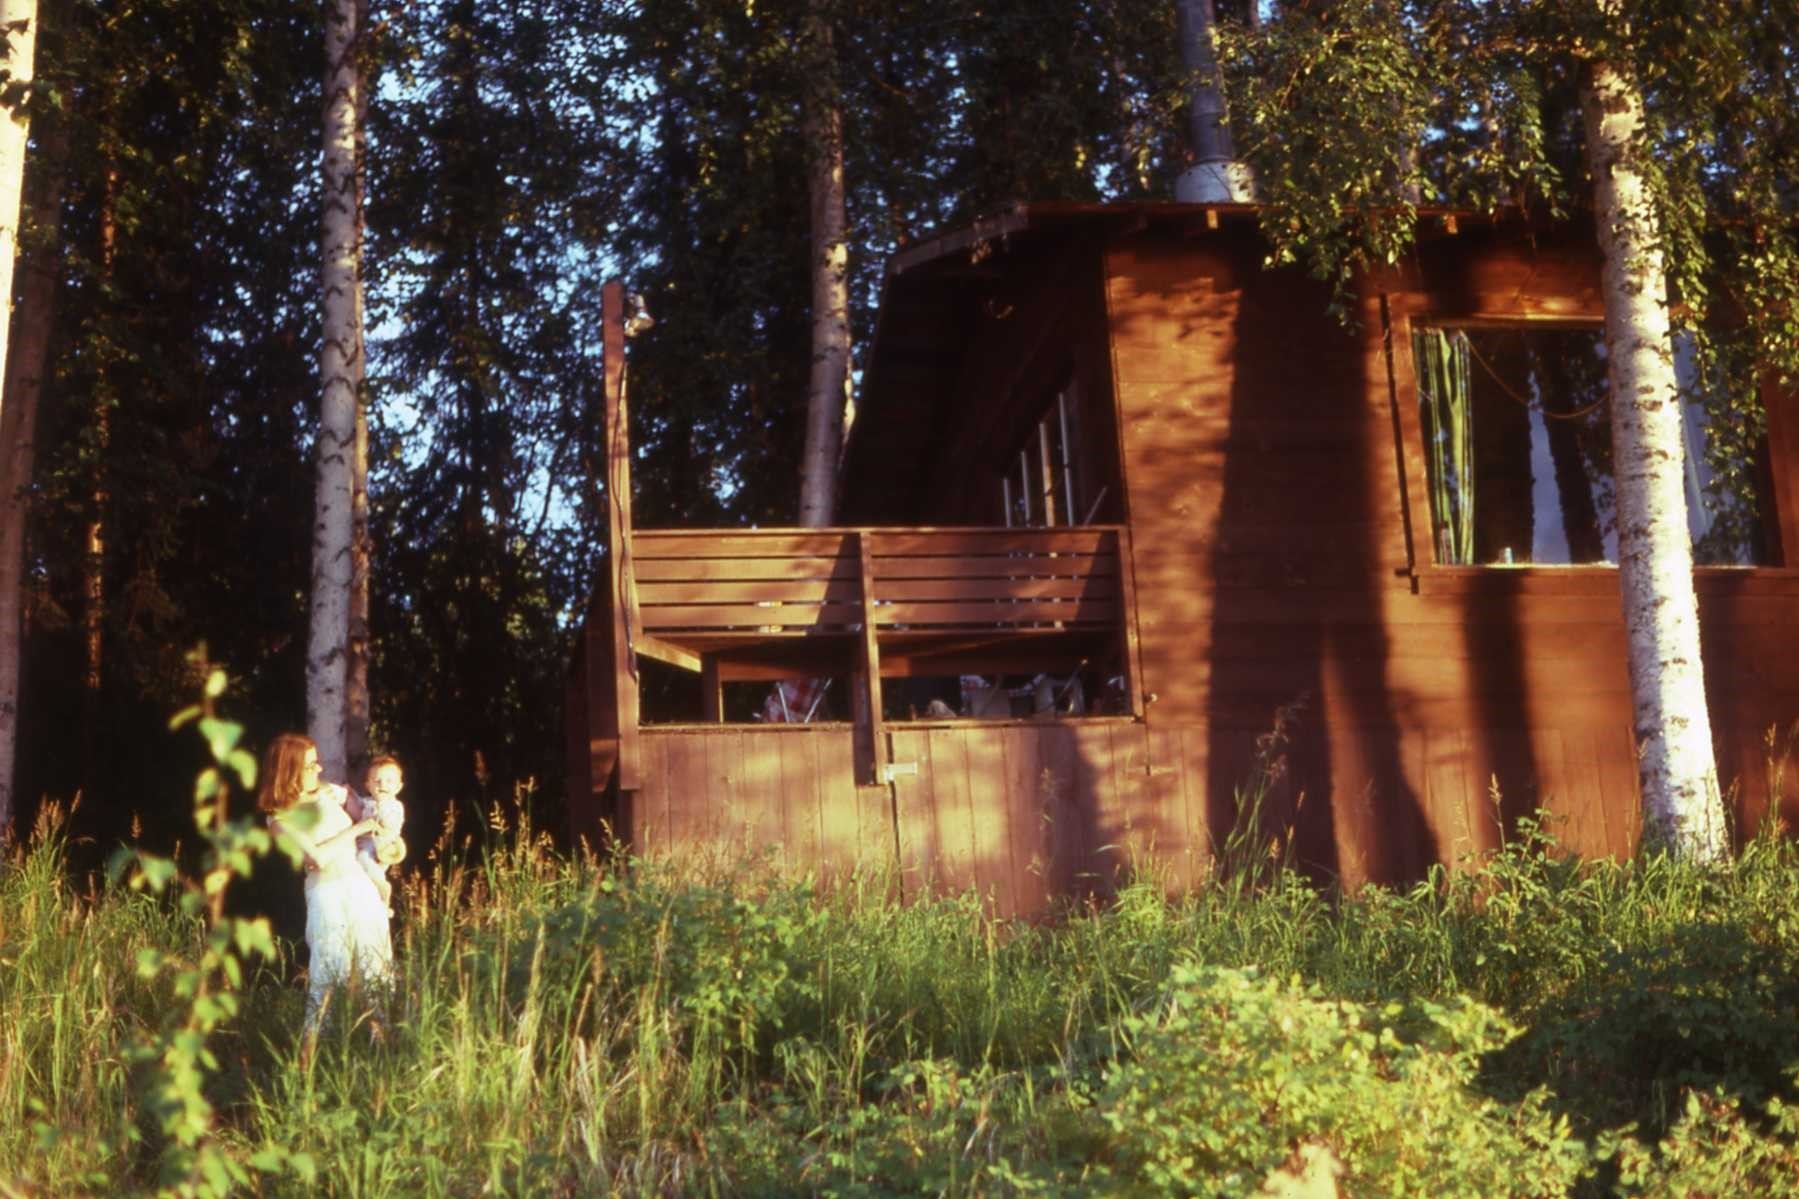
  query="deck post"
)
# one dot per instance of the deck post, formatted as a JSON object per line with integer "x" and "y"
{"x": 1127, "y": 619}
{"x": 868, "y": 690}
{"x": 712, "y": 691}
{"x": 620, "y": 580}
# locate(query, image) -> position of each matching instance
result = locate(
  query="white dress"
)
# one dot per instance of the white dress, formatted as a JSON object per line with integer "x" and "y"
{"x": 346, "y": 921}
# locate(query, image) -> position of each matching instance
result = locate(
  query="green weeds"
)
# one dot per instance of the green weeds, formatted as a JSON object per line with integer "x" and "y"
{"x": 1530, "y": 1025}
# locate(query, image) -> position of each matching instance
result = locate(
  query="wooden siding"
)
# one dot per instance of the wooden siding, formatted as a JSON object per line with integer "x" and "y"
{"x": 1021, "y": 812}
{"x": 1281, "y": 557}
{"x": 745, "y": 792}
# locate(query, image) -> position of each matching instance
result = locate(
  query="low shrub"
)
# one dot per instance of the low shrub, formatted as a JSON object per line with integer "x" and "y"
{"x": 1232, "y": 1071}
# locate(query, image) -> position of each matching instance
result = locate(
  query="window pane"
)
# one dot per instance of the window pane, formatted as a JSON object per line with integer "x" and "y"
{"x": 1518, "y": 449}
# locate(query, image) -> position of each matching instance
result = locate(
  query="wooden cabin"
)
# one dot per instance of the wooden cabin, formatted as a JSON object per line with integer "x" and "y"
{"x": 1139, "y": 541}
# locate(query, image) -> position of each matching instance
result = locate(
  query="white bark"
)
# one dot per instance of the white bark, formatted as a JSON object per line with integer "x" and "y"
{"x": 24, "y": 381}
{"x": 828, "y": 392}
{"x": 356, "y": 671}
{"x": 340, "y": 370}
{"x": 19, "y": 19}
{"x": 18, "y": 391}
{"x": 1682, "y": 807}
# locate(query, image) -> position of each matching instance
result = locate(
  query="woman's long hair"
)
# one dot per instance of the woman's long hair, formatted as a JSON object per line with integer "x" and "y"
{"x": 283, "y": 771}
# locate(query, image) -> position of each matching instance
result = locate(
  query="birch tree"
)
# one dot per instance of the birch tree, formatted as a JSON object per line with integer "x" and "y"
{"x": 18, "y": 19}
{"x": 828, "y": 389}
{"x": 356, "y": 670}
{"x": 1682, "y": 807}
{"x": 341, "y": 373}
{"x": 18, "y": 412}
{"x": 26, "y": 360}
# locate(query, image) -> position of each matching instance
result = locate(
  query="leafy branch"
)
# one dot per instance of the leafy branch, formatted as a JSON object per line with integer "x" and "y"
{"x": 177, "y": 1060}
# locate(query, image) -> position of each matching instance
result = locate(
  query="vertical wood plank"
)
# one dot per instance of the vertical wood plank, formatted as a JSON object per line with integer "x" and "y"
{"x": 1128, "y": 747}
{"x": 759, "y": 825}
{"x": 990, "y": 816}
{"x": 1618, "y": 788}
{"x": 1549, "y": 751}
{"x": 954, "y": 810}
{"x": 1023, "y": 771}
{"x": 648, "y": 805}
{"x": 915, "y": 815}
{"x": 800, "y": 800}
{"x": 1582, "y": 802}
{"x": 1099, "y": 798}
{"x": 1450, "y": 804}
{"x": 1167, "y": 800}
{"x": 1194, "y": 761}
{"x": 683, "y": 781}
{"x": 842, "y": 806}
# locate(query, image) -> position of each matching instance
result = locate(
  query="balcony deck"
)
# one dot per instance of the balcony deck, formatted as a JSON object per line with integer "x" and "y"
{"x": 774, "y": 603}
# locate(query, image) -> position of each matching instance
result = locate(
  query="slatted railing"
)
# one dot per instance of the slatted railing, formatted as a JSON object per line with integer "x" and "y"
{"x": 806, "y": 582}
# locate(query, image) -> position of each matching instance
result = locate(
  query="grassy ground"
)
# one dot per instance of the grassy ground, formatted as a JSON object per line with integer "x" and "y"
{"x": 568, "y": 1027}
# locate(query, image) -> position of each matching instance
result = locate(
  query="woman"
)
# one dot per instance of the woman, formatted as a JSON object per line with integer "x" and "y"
{"x": 346, "y": 921}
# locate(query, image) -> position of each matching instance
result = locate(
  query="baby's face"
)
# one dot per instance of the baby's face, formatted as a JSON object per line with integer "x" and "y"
{"x": 385, "y": 782}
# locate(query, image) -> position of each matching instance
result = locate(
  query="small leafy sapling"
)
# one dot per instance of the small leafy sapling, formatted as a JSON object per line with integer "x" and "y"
{"x": 175, "y": 1060}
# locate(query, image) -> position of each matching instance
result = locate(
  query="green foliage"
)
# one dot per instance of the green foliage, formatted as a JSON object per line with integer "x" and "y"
{"x": 1354, "y": 114}
{"x": 1531, "y": 1024}
{"x": 1714, "y": 1149}
{"x": 1231, "y": 1070}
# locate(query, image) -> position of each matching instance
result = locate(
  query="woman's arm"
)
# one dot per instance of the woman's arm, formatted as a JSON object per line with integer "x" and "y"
{"x": 314, "y": 850}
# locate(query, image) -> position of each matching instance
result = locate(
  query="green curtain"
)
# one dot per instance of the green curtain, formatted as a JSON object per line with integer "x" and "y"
{"x": 1442, "y": 361}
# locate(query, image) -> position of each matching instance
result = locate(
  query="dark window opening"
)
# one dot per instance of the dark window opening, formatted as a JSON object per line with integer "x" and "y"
{"x": 1047, "y": 481}
{"x": 1518, "y": 451}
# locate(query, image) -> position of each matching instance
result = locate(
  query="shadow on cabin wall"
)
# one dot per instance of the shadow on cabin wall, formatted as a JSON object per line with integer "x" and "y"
{"x": 1299, "y": 626}
{"x": 1490, "y": 698}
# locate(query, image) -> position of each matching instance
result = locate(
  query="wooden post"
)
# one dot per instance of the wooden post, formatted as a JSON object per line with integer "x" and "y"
{"x": 1127, "y": 617}
{"x": 712, "y": 693}
{"x": 618, "y": 535}
{"x": 870, "y": 667}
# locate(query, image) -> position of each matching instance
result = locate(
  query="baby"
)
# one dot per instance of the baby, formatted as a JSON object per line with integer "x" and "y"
{"x": 384, "y": 847}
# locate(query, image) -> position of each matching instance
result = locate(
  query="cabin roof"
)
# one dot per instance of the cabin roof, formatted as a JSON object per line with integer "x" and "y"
{"x": 932, "y": 297}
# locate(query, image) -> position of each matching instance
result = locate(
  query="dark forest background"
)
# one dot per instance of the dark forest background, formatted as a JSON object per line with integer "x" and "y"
{"x": 519, "y": 154}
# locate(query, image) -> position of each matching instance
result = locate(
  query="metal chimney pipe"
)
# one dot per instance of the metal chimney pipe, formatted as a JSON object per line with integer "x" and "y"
{"x": 1216, "y": 177}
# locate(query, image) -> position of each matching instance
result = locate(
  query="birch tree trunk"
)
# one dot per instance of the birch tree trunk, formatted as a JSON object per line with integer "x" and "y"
{"x": 1682, "y": 807}
{"x": 340, "y": 370}
{"x": 828, "y": 392}
{"x": 356, "y": 670}
{"x": 19, "y": 20}
{"x": 24, "y": 381}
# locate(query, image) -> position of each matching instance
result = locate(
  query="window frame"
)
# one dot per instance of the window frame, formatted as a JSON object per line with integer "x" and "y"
{"x": 1058, "y": 490}
{"x": 1780, "y": 476}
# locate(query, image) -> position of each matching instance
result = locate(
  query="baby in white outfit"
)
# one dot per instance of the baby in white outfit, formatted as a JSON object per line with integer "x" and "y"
{"x": 384, "y": 847}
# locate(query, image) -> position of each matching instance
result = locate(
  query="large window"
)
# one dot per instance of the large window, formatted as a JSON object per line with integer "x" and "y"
{"x": 1517, "y": 445}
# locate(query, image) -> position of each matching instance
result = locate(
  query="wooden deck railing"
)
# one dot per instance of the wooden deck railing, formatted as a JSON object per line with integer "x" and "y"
{"x": 780, "y": 603}
{"x": 709, "y": 587}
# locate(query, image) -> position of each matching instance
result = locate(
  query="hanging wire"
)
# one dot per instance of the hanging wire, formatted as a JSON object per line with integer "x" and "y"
{"x": 1505, "y": 387}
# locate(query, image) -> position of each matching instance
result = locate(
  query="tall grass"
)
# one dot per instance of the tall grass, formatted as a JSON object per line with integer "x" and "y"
{"x": 568, "y": 1026}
